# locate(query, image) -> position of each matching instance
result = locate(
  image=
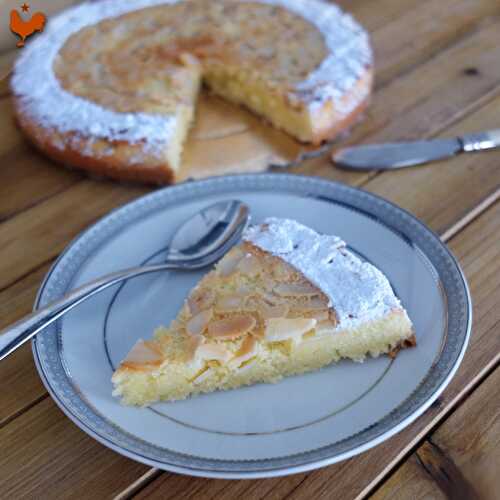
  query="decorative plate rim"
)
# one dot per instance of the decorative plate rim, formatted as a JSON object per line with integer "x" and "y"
{"x": 46, "y": 345}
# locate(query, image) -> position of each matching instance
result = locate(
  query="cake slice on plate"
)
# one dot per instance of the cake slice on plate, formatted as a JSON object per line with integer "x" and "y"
{"x": 287, "y": 300}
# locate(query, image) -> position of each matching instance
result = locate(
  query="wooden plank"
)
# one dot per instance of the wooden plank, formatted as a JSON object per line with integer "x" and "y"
{"x": 39, "y": 234}
{"x": 18, "y": 371}
{"x": 411, "y": 480}
{"x": 462, "y": 457}
{"x": 172, "y": 486}
{"x": 470, "y": 439}
{"x": 27, "y": 177}
{"x": 55, "y": 459}
{"x": 477, "y": 243}
{"x": 436, "y": 192}
{"x": 6, "y": 61}
{"x": 425, "y": 30}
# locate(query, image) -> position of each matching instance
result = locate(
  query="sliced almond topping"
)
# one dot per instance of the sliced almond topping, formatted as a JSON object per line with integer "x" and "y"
{"x": 228, "y": 264}
{"x": 144, "y": 353}
{"x": 320, "y": 315}
{"x": 200, "y": 299}
{"x": 278, "y": 329}
{"x": 244, "y": 289}
{"x": 231, "y": 328}
{"x": 202, "y": 375}
{"x": 229, "y": 303}
{"x": 198, "y": 324}
{"x": 296, "y": 290}
{"x": 249, "y": 265}
{"x": 211, "y": 352}
{"x": 273, "y": 311}
{"x": 282, "y": 272}
{"x": 313, "y": 304}
{"x": 247, "y": 350}
{"x": 192, "y": 344}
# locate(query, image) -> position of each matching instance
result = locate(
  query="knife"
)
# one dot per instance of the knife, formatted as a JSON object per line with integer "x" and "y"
{"x": 406, "y": 154}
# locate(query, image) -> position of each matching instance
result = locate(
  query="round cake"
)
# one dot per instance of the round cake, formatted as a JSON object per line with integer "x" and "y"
{"x": 111, "y": 86}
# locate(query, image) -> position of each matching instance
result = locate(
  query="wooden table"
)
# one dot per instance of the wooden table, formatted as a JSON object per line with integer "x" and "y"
{"x": 438, "y": 73}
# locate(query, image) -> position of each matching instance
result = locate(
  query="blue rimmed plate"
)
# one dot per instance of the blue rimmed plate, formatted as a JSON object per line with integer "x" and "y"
{"x": 301, "y": 423}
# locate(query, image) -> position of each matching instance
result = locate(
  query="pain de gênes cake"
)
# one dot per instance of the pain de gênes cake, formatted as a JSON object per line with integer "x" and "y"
{"x": 287, "y": 300}
{"x": 111, "y": 86}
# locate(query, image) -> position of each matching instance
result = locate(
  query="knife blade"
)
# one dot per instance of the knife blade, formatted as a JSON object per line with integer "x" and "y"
{"x": 406, "y": 154}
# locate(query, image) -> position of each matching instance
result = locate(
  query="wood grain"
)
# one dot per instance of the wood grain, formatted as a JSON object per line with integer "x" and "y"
{"x": 411, "y": 480}
{"x": 21, "y": 386}
{"x": 27, "y": 178}
{"x": 426, "y": 29}
{"x": 470, "y": 438}
{"x": 461, "y": 459}
{"x": 44, "y": 455}
{"x": 40, "y": 233}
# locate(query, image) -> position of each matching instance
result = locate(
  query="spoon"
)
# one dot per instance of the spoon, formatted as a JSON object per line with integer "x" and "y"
{"x": 198, "y": 242}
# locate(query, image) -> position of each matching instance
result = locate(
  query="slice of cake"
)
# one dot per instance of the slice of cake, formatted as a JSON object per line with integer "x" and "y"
{"x": 287, "y": 300}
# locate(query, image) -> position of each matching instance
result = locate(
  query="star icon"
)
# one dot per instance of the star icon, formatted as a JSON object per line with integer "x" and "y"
{"x": 25, "y": 7}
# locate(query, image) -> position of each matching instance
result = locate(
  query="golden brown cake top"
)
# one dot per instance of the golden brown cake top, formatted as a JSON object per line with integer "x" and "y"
{"x": 115, "y": 70}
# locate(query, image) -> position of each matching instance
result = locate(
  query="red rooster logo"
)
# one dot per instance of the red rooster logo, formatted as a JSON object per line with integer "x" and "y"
{"x": 24, "y": 28}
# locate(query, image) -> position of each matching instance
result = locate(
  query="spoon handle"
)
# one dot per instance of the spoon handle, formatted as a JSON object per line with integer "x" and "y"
{"x": 20, "y": 332}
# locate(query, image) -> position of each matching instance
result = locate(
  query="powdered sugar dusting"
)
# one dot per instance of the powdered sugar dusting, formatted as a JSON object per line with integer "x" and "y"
{"x": 45, "y": 101}
{"x": 349, "y": 53}
{"x": 358, "y": 291}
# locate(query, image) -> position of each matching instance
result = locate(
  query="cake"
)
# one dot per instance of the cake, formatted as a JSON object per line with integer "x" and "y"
{"x": 111, "y": 86}
{"x": 287, "y": 300}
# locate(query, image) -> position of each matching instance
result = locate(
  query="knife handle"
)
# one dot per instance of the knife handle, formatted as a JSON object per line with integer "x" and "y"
{"x": 481, "y": 141}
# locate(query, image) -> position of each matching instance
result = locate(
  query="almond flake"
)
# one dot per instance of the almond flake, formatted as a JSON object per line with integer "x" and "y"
{"x": 312, "y": 304}
{"x": 247, "y": 350}
{"x": 321, "y": 315}
{"x": 200, "y": 299}
{"x": 273, "y": 311}
{"x": 231, "y": 328}
{"x": 229, "y": 303}
{"x": 198, "y": 324}
{"x": 211, "y": 352}
{"x": 144, "y": 353}
{"x": 229, "y": 262}
{"x": 296, "y": 290}
{"x": 278, "y": 329}
{"x": 249, "y": 265}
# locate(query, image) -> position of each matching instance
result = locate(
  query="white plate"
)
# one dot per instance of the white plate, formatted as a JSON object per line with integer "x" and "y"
{"x": 301, "y": 423}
